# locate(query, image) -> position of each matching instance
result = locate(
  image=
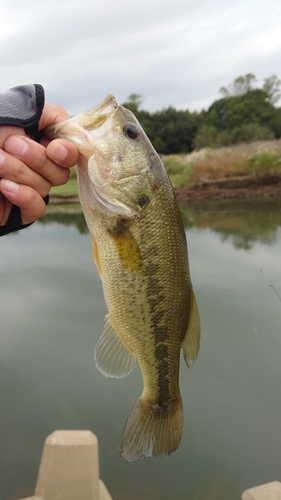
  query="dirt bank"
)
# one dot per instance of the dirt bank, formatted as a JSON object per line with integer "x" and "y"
{"x": 233, "y": 188}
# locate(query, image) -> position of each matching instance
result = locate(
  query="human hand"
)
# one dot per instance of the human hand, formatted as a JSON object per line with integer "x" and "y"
{"x": 28, "y": 169}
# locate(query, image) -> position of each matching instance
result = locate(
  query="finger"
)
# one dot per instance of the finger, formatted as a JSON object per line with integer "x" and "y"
{"x": 15, "y": 170}
{"x": 52, "y": 113}
{"x": 31, "y": 204}
{"x": 7, "y": 131}
{"x": 63, "y": 152}
{"x": 34, "y": 156}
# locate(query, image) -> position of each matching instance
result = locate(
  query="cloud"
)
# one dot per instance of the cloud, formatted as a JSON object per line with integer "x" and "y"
{"x": 179, "y": 54}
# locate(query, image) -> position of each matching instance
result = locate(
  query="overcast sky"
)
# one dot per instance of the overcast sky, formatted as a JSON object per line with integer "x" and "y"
{"x": 173, "y": 52}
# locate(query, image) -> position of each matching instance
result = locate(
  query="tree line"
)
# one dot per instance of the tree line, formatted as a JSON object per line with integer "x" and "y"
{"x": 245, "y": 113}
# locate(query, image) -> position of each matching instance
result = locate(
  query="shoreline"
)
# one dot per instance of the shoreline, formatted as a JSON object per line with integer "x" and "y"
{"x": 231, "y": 188}
{"x": 226, "y": 188}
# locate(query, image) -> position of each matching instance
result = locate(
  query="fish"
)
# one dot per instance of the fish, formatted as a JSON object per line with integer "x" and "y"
{"x": 140, "y": 250}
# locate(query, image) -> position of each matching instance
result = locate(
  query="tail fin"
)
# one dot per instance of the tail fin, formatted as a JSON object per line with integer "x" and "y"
{"x": 147, "y": 433}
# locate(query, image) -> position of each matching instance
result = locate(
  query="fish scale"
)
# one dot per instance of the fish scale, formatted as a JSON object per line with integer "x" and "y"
{"x": 140, "y": 250}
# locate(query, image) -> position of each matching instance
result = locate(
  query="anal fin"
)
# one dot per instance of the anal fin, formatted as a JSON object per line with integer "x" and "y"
{"x": 191, "y": 340}
{"x": 112, "y": 357}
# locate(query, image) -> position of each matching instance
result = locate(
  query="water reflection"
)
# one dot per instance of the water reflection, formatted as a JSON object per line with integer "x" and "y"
{"x": 67, "y": 215}
{"x": 241, "y": 223}
{"x": 52, "y": 313}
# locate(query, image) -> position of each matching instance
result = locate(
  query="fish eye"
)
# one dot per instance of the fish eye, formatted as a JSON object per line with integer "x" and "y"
{"x": 131, "y": 131}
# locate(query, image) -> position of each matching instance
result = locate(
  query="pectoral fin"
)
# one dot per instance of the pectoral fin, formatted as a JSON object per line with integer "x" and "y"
{"x": 126, "y": 247}
{"x": 191, "y": 341}
{"x": 113, "y": 358}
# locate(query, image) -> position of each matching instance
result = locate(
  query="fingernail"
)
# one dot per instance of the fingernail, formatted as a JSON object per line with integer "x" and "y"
{"x": 10, "y": 186}
{"x": 16, "y": 146}
{"x": 59, "y": 152}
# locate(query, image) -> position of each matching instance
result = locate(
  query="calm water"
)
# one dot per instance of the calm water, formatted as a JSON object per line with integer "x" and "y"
{"x": 52, "y": 311}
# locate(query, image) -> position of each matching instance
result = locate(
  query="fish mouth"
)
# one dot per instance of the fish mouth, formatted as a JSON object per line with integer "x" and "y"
{"x": 107, "y": 106}
{"x": 94, "y": 121}
{"x": 84, "y": 127}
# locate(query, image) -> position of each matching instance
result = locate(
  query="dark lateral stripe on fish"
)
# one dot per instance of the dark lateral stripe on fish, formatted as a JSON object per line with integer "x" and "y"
{"x": 161, "y": 352}
{"x": 155, "y": 296}
{"x": 163, "y": 384}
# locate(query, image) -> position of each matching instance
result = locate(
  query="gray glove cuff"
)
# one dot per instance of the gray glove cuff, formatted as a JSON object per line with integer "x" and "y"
{"x": 22, "y": 106}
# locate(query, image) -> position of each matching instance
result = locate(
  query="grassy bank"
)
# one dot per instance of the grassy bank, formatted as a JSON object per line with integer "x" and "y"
{"x": 256, "y": 160}
{"x": 70, "y": 189}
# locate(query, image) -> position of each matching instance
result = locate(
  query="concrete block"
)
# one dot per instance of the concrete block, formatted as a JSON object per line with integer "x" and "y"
{"x": 69, "y": 468}
{"x": 270, "y": 491}
{"x": 103, "y": 494}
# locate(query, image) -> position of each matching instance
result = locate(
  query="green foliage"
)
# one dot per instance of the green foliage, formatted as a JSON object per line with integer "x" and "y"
{"x": 251, "y": 132}
{"x": 257, "y": 221}
{"x": 234, "y": 111}
{"x": 67, "y": 190}
{"x": 206, "y": 137}
{"x": 174, "y": 130}
{"x": 244, "y": 114}
{"x": 73, "y": 173}
{"x": 67, "y": 215}
{"x": 209, "y": 136}
{"x": 264, "y": 164}
{"x": 224, "y": 138}
{"x": 170, "y": 131}
{"x": 178, "y": 169}
{"x": 240, "y": 86}
{"x": 251, "y": 107}
{"x": 276, "y": 123}
{"x": 133, "y": 102}
{"x": 271, "y": 87}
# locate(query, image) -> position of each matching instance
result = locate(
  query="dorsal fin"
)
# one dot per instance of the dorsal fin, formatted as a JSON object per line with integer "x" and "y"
{"x": 191, "y": 340}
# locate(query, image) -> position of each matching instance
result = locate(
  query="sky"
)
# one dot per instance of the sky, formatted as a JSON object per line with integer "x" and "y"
{"x": 173, "y": 52}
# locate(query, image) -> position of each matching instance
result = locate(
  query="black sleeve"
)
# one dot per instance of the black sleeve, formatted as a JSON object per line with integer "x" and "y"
{"x": 21, "y": 106}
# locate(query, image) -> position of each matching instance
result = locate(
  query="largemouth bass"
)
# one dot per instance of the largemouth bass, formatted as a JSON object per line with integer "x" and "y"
{"x": 140, "y": 250}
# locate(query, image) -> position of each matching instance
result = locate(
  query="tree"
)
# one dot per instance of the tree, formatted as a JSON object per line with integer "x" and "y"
{"x": 250, "y": 132}
{"x": 240, "y": 86}
{"x": 216, "y": 114}
{"x": 206, "y": 137}
{"x": 133, "y": 102}
{"x": 174, "y": 131}
{"x": 271, "y": 87}
{"x": 245, "y": 113}
{"x": 276, "y": 123}
{"x": 234, "y": 111}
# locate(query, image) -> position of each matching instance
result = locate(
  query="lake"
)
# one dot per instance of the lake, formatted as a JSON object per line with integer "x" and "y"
{"x": 52, "y": 314}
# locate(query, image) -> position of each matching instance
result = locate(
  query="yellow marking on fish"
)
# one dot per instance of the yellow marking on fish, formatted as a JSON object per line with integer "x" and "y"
{"x": 126, "y": 247}
{"x": 96, "y": 257}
